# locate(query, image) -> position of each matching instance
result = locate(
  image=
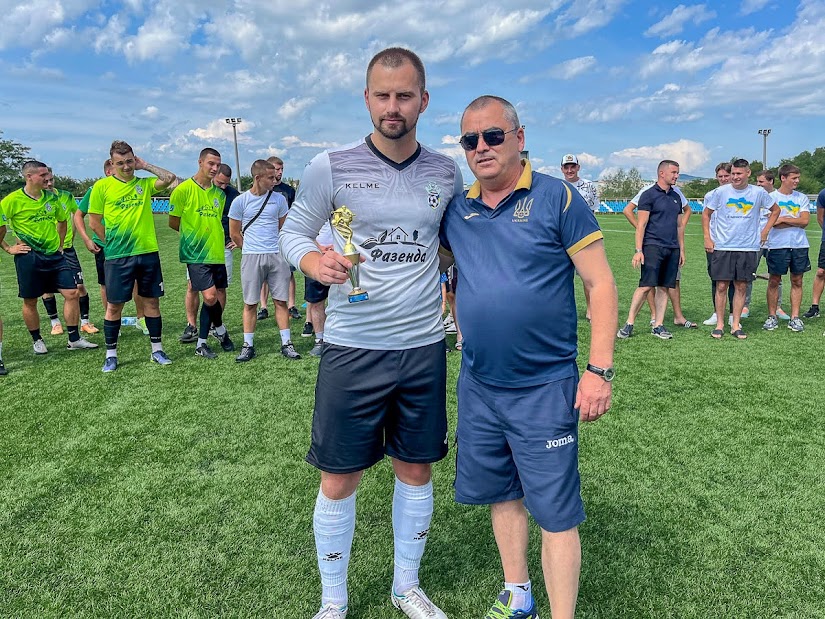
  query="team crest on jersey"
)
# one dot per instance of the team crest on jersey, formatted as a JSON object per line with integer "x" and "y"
{"x": 522, "y": 211}
{"x": 433, "y": 195}
{"x": 139, "y": 190}
{"x": 216, "y": 203}
{"x": 48, "y": 207}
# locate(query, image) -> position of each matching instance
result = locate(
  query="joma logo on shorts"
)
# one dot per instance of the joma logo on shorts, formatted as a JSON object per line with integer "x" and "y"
{"x": 560, "y": 442}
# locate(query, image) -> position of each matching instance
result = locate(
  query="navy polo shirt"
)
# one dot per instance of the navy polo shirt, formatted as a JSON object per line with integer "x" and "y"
{"x": 515, "y": 296}
{"x": 231, "y": 194}
{"x": 664, "y": 207}
{"x": 820, "y": 204}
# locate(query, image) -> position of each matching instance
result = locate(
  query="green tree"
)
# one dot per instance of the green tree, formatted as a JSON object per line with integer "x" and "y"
{"x": 12, "y": 156}
{"x": 812, "y": 169}
{"x": 621, "y": 184}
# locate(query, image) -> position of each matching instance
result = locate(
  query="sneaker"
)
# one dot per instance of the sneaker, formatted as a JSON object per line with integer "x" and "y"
{"x": 57, "y": 329}
{"x": 160, "y": 358}
{"x": 331, "y": 611}
{"x": 781, "y": 314}
{"x": 796, "y": 325}
{"x": 247, "y": 353}
{"x": 89, "y": 329}
{"x": 263, "y": 313}
{"x": 316, "y": 350}
{"x": 308, "y": 331}
{"x": 416, "y": 605}
{"x": 501, "y": 609}
{"x": 189, "y": 335}
{"x": 812, "y": 313}
{"x": 40, "y": 347}
{"x": 204, "y": 351}
{"x": 110, "y": 365}
{"x": 662, "y": 333}
{"x": 710, "y": 321}
{"x": 771, "y": 323}
{"x": 449, "y": 324}
{"x": 227, "y": 345}
{"x": 625, "y": 332}
{"x": 3, "y": 370}
{"x": 288, "y": 351}
{"x": 294, "y": 313}
{"x": 459, "y": 344}
{"x": 746, "y": 313}
{"x": 81, "y": 344}
{"x": 730, "y": 320}
{"x": 140, "y": 325}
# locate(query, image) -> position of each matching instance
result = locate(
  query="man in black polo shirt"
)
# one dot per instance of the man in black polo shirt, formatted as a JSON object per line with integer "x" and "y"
{"x": 660, "y": 246}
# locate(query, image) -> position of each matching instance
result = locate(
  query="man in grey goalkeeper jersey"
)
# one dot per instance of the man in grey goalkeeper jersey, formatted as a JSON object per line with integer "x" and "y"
{"x": 381, "y": 386}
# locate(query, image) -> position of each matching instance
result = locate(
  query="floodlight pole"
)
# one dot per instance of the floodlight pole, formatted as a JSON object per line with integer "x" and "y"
{"x": 235, "y": 122}
{"x": 764, "y": 133}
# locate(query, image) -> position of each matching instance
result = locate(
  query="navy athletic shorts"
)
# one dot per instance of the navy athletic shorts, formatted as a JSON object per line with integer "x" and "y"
{"x": 523, "y": 442}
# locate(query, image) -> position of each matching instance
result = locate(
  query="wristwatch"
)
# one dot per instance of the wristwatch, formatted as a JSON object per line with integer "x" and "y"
{"x": 606, "y": 373}
{"x": 639, "y": 251}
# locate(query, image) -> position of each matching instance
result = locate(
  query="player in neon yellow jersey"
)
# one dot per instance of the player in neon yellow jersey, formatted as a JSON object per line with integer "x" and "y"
{"x": 196, "y": 208}
{"x": 67, "y": 201}
{"x": 40, "y": 225}
{"x": 124, "y": 202}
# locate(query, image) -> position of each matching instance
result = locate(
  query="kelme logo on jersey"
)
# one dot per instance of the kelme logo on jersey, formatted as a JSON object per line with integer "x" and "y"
{"x": 522, "y": 211}
{"x": 433, "y": 195}
{"x": 740, "y": 204}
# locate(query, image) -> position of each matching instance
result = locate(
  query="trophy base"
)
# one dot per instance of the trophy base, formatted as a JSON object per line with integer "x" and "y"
{"x": 356, "y": 296}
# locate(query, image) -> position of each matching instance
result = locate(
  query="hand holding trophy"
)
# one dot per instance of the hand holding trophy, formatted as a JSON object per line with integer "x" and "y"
{"x": 341, "y": 219}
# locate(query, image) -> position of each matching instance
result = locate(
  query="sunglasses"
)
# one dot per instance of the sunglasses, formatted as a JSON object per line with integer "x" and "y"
{"x": 492, "y": 137}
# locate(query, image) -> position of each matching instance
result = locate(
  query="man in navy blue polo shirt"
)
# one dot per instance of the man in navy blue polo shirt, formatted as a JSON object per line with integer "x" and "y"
{"x": 819, "y": 280}
{"x": 660, "y": 246}
{"x": 517, "y": 237}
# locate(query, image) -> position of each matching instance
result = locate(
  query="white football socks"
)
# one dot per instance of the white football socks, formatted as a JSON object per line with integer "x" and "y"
{"x": 412, "y": 510}
{"x": 285, "y": 336}
{"x": 334, "y": 526}
{"x": 522, "y": 595}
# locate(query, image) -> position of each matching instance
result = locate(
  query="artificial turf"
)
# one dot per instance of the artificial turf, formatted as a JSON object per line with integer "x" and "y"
{"x": 182, "y": 491}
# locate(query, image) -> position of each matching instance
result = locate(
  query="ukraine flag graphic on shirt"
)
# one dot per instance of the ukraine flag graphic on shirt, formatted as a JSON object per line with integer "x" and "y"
{"x": 790, "y": 208}
{"x": 740, "y": 204}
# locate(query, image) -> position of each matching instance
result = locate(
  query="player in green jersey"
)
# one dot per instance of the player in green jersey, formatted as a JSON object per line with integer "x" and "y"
{"x": 67, "y": 201}
{"x": 124, "y": 202}
{"x": 196, "y": 208}
{"x": 40, "y": 225}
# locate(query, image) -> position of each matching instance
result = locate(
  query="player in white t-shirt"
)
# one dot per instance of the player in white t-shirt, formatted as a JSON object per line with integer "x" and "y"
{"x": 788, "y": 246}
{"x": 765, "y": 180}
{"x": 735, "y": 240}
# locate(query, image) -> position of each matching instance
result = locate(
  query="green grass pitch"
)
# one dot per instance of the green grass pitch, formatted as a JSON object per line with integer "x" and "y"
{"x": 182, "y": 491}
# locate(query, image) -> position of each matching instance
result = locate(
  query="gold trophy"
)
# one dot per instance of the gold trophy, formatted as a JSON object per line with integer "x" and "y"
{"x": 341, "y": 219}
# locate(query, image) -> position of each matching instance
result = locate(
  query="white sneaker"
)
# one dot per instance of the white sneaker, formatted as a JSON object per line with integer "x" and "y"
{"x": 40, "y": 347}
{"x": 416, "y": 605}
{"x": 710, "y": 321}
{"x": 81, "y": 344}
{"x": 331, "y": 611}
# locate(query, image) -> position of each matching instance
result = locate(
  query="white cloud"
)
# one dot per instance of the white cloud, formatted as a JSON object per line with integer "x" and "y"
{"x": 450, "y": 139}
{"x": 586, "y": 160}
{"x": 219, "y": 129}
{"x": 691, "y": 155}
{"x": 674, "y": 22}
{"x": 752, "y": 6}
{"x": 565, "y": 70}
{"x": 27, "y": 23}
{"x": 295, "y": 107}
{"x": 294, "y": 141}
{"x": 271, "y": 151}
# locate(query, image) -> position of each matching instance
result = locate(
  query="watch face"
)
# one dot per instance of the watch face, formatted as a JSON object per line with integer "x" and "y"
{"x": 609, "y": 374}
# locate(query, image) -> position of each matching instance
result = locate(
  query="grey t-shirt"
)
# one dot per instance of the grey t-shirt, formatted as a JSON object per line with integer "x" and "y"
{"x": 397, "y": 214}
{"x": 262, "y": 236}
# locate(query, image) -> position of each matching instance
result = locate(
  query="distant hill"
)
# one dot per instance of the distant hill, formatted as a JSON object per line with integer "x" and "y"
{"x": 686, "y": 178}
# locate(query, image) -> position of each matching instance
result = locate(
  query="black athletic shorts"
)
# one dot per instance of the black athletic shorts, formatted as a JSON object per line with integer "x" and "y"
{"x": 39, "y": 273}
{"x": 74, "y": 265}
{"x": 661, "y": 266}
{"x": 733, "y": 266}
{"x": 369, "y": 403}
{"x": 452, "y": 278}
{"x": 204, "y": 276}
{"x": 100, "y": 260}
{"x": 314, "y": 292}
{"x": 780, "y": 261}
{"x": 122, "y": 273}
{"x": 821, "y": 262}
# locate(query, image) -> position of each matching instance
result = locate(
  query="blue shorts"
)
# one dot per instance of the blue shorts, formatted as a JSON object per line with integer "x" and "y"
{"x": 515, "y": 443}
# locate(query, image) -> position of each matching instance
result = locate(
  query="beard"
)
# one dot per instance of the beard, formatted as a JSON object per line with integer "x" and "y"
{"x": 395, "y": 133}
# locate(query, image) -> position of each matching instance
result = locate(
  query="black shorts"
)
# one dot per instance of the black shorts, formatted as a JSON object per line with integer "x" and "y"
{"x": 122, "y": 273}
{"x": 204, "y": 276}
{"x": 74, "y": 265}
{"x": 374, "y": 402}
{"x": 39, "y": 273}
{"x": 452, "y": 278}
{"x": 314, "y": 292}
{"x": 780, "y": 261}
{"x": 821, "y": 262}
{"x": 733, "y": 266}
{"x": 100, "y": 260}
{"x": 661, "y": 266}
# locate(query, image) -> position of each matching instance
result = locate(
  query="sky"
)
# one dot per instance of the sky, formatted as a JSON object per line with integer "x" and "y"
{"x": 616, "y": 82}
